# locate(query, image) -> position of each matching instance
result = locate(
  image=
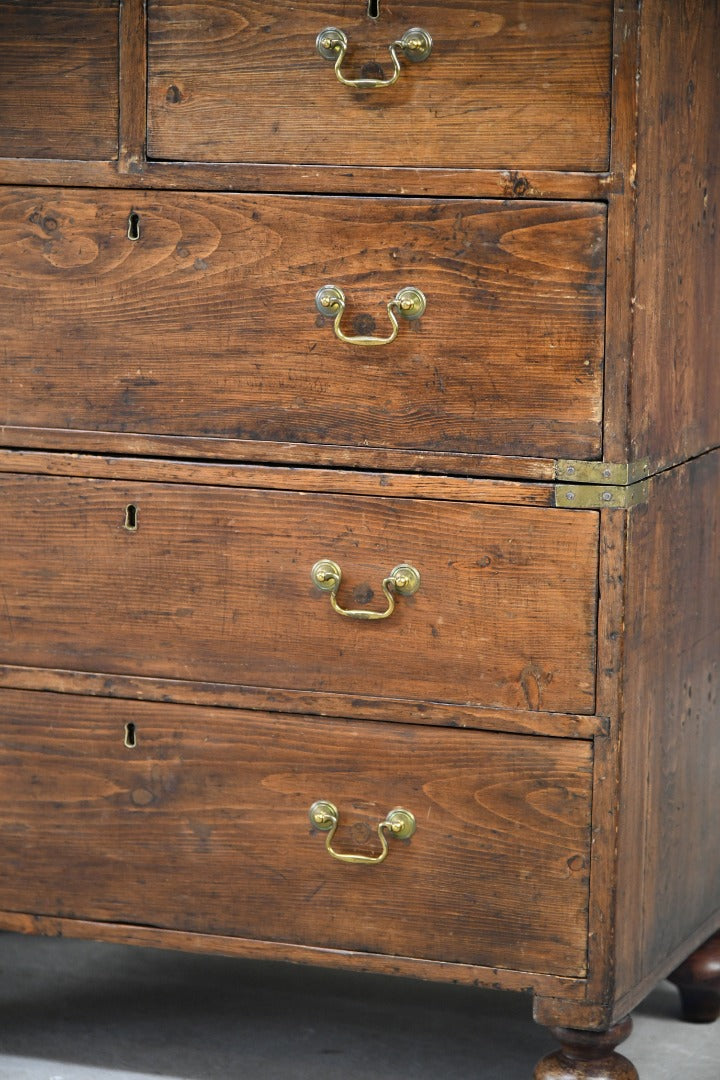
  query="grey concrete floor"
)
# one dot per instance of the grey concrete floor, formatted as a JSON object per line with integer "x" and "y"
{"x": 84, "y": 1011}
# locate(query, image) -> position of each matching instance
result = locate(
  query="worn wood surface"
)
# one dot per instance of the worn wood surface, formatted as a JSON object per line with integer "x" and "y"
{"x": 588, "y": 1055}
{"x": 257, "y": 949}
{"x": 619, "y": 310}
{"x": 132, "y": 63}
{"x": 203, "y": 826}
{"x": 669, "y": 864}
{"x": 215, "y": 585}
{"x": 311, "y": 179}
{"x": 513, "y": 85}
{"x": 89, "y": 318}
{"x": 59, "y": 78}
{"x": 675, "y": 390}
{"x": 589, "y": 1015}
{"x": 207, "y": 325}
{"x": 336, "y": 481}
{"x": 597, "y": 1011}
{"x": 478, "y": 466}
{"x": 355, "y": 707}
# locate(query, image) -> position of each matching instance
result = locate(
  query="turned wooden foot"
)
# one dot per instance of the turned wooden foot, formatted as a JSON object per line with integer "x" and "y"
{"x": 588, "y": 1055}
{"x": 698, "y": 981}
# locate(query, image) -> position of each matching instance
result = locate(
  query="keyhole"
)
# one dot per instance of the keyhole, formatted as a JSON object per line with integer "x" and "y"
{"x": 374, "y": 9}
{"x": 131, "y": 517}
{"x": 133, "y": 226}
{"x": 130, "y": 740}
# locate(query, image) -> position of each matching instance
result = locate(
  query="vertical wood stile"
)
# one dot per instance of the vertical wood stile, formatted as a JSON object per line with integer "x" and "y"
{"x": 133, "y": 86}
{"x": 621, "y": 232}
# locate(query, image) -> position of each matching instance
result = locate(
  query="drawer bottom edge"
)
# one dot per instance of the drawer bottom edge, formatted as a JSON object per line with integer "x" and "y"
{"x": 253, "y": 949}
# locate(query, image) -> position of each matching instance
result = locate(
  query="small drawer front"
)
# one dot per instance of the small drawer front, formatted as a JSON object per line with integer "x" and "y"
{"x": 508, "y": 84}
{"x": 214, "y": 584}
{"x": 207, "y": 325}
{"x": 203, "y": 826}
{"x": 59, "y": 79}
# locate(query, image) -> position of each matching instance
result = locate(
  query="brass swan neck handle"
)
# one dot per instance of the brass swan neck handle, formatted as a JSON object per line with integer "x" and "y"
{"x": 399, "y": 823}
{"x": 332, "y": 44}
{"x": 404, "y": 579}
{"x": 410, "y": 303}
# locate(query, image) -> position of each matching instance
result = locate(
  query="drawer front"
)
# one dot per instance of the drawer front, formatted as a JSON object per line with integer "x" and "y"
{"x": 203, "y": 826}
{"x": 207, "y": 325}
{"x": 509, "y": 84}
{"x": 214, "y": 585}
{"x": 59, "y": 79}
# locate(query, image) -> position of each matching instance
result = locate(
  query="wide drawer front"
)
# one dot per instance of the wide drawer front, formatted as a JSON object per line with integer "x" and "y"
{"x": 214, "y": 584}
{"x": 207, "y": 325}
{"x": 508, "y": 84}
{"x": 203, "y": 825}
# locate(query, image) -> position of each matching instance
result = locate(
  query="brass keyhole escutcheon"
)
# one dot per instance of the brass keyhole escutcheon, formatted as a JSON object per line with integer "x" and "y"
{"x": 131, "y": 518}
{"x": 133, "y": 229}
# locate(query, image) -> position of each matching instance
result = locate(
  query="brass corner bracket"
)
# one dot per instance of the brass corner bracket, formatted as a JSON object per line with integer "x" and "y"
{"x": 601, "y": 496}
{"x": 598, "y": 485}
{"x": 602, "y": 472}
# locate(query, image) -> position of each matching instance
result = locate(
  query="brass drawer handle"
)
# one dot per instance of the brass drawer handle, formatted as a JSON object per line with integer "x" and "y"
{"x": 409, "y": 302}
{"x": 399, "y": 823}
{"x": 404, "y": 579}
{"x": 332, "y": 44}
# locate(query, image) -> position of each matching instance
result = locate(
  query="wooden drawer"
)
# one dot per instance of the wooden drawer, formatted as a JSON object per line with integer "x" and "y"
{"x": 508, "y": 85}
{"x": 204, "y": 826}
{"x": 59, "y": 79}
{"x": 215, "y": 585}
{"x": 207, "y": 326}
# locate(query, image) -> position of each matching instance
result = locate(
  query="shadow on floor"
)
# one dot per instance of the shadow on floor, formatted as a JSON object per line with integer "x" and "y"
{"x": 161, "y": 1014}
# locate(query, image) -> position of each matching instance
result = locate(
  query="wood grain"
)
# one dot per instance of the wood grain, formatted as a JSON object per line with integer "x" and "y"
{"x": 133, "y": 86}
{"x": 204, "y": 827}
{"x": 621, "y": 262}
{"x": 335, "y": 481}
{"x": 665, "y": 965}
{"x": 511, "y": 85}
{"x": 612, "y": 581}
{"x": 207, "y": 325}
{"x": 312, "y": 179}
{"x": 669, "y": 869}
{"x": 347, "y": 706}
{"x": 153, "y": 937}
{"x": 588, "y": 1054}
{"x": 477, "y": 466}
{"x": 215, "y": 585}
{"x": 675, "y": 390}
{"x": 59, "y": 78}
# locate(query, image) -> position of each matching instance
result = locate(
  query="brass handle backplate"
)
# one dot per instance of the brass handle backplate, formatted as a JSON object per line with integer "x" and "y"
{"x": 399, "y": 823}
{"x": 404, "y": 579}
{"x": 332, "y": 44}
{"x": 409, "y": 302}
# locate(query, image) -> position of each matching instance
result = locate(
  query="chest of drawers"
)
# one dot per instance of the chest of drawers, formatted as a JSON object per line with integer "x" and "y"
{"x": 360, "y": 421}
